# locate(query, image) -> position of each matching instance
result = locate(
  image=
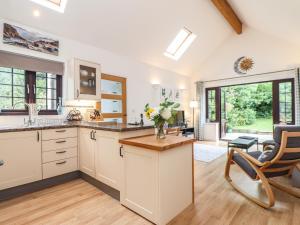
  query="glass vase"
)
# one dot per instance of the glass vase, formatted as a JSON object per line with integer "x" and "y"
{"x": 160, "y": 132}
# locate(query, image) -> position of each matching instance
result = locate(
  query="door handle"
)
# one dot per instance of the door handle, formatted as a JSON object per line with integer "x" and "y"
{"x": 59, "y": 142}
{"x": 38, "y": 136}
{"x": 60, "y": 163}
{"x": 1, "y": 162}
{"x": 121, "y": 154}
{"x": 91, "y": 135}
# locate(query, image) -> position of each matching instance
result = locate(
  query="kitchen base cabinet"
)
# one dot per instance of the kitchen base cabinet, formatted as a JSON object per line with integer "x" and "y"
{"x": 107, "y": 159}
{"x": 20, "y": 153}
{"x": 140, "y": 181}
{"x": 99, "y": 154}
{"x": 157, "y": 184}
{"x": 87, "y": 152}
{"x": 59, "y": 151}
{"x": 59, "y": 167}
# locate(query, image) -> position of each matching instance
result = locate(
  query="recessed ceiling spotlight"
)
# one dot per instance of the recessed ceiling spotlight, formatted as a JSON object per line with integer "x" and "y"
{"x": 36, "y": 13}
{"x": 57, "y": 5}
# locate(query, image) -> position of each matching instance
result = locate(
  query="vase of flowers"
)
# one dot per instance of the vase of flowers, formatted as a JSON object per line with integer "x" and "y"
{"x": 161, "y": 116}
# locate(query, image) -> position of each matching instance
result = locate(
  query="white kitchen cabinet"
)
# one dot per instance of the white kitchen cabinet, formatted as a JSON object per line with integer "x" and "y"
{"x": 108, "y": 161}
{"x": 140, "y": 181}
{"x": 157, "y": 185}
{"x": 87, "y": 80}
{"x": 87, "y": 151}
{"x": 20, "y": 153}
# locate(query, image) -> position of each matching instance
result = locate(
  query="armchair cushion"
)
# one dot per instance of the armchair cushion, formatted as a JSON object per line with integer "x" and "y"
{"x": 265, "y": 156}
{"x": 292, "y": 142}
{"x": 268, "y": 155}
{"x": 238, "y": 159}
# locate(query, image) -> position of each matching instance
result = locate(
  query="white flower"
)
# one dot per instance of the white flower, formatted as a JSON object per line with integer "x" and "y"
{"x": 155, "y": 112}
{"x": 166, "y": 113}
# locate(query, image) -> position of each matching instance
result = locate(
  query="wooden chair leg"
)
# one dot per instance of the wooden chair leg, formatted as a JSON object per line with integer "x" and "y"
{"x": 284, "y": 188}
{"x": 261, "y": 176}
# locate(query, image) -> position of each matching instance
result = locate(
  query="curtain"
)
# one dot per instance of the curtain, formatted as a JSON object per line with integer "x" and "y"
{"x": 200, "y": 111}
{"x": 297, "y": 96}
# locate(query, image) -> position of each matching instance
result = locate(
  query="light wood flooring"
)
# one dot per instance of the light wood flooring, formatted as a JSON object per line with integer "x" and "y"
{"x": 78, "y": 202}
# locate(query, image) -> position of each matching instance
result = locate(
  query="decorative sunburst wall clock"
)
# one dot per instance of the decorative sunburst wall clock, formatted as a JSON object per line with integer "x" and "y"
{"x": 243, "y": 64}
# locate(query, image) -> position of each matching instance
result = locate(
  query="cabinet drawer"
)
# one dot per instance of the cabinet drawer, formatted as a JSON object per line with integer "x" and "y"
{"x": 59, "y": 144}
{"x": 59, "y": 167}
{"x": 59, "y": 133}
{"x": 59, "y": 154}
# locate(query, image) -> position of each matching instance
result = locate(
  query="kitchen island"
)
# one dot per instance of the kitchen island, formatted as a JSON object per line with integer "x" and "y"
{"x": 158, "y": 176}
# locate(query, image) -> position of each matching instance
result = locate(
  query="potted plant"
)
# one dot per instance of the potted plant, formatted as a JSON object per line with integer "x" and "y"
{"x": 163, "y": 115}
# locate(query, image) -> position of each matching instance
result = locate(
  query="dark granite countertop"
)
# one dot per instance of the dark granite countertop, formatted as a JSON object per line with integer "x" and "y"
{"x": 107, "y": 126}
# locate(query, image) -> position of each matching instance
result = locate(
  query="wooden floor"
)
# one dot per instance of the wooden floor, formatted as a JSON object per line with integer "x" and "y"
{"x": 78, "y": 202}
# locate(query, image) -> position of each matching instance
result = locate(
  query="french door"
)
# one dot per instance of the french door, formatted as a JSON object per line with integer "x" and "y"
{"x": 283, "y": 102}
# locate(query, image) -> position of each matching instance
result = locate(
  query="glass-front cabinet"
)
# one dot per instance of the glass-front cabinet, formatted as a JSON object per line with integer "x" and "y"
{"x": 87, "y": 80}
{"x": 113, "y": 98}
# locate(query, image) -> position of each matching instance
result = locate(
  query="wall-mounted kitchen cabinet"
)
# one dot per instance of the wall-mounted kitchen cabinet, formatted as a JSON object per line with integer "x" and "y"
{"x": 87, "y": 80}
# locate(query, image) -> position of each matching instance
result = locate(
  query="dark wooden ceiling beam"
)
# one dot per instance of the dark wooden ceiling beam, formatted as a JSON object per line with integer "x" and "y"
{"x": 226, "y": 10}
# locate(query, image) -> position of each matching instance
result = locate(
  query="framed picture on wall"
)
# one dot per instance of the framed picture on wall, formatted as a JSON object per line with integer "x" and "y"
{"x": 177, "y": 95}
{"x": 170, "y": 94}
{"x": 18, "y": 36}
{"x": 163, "y": 93}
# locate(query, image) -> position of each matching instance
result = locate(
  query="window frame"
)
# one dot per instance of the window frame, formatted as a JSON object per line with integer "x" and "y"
{"x": 217, "y": 103}
{"x": 276, "y": 100}
{"x": 30, "y": 81}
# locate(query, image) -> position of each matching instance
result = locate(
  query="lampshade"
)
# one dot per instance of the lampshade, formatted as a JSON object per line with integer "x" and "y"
{"x": 193, "y": 104}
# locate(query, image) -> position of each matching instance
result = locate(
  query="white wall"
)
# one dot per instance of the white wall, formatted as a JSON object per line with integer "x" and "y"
{"x": 139, "y": 75}
{"x": 268, "y": 52}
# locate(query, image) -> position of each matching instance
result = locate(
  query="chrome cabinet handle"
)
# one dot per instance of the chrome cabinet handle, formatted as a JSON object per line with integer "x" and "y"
{"x": 38, "y": 136}
{"x": 77, "y": 93}
{"x": 59, "y": 142}
{"x": 1, "y": 162}
{"x": 121, "y": 154}
{"x": 94, "y": 136}
{"x": 60, "y": 163}
{"x": 60, "y": 131}
{"x": 61, "y": 152}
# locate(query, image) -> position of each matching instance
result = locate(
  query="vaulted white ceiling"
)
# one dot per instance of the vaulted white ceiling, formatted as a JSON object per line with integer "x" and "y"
{"x": 280, "y": 18}
{"x": 136, "y": 28}
{"x": 143, "y": 29}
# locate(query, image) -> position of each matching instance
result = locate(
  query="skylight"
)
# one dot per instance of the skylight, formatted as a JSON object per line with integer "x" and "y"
{"x": 180, "y": 44}
{"x": 57, "y": 5}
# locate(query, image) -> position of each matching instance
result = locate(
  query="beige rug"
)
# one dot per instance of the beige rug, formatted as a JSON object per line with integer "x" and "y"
{"x": 208, "y": 153}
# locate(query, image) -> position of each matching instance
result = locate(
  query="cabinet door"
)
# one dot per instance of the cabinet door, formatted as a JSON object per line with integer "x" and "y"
{"x": 87, "y": 80}
{"x": 20, "y": 153}
{"x": 87, "y": 152}
{"x": 108, "y": 160}
{"x": 139, "y": 190}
